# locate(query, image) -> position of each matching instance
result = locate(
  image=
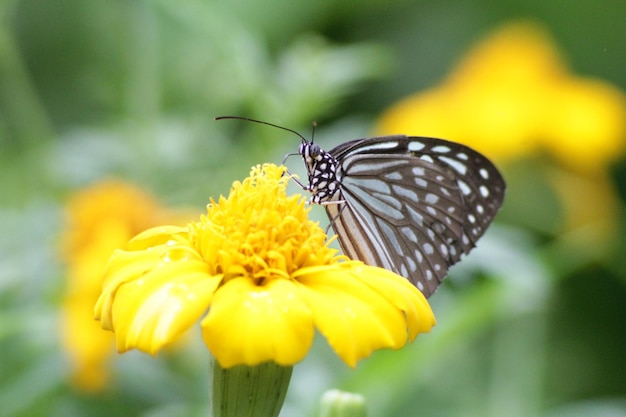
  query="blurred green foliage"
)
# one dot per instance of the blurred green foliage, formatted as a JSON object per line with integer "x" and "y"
{"x": 129, "y": 89}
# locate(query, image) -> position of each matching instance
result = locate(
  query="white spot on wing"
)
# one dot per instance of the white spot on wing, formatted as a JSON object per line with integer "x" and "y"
{"x": 370, "y": 166}
{"x": 421, "y": 182}
{"x": 432, "y": 198}
{"x": 465, "y": 189}
{"x": 389, "y": 233}
{"x": 403, "y": 271}
{"x": 458, "y": 166}
{"x": 416, "y": 146}
{"x": 428, "y": 248}
{"x": 409, "y": 234}
{"x": 419, "y": 171}
{"x": 412, "y": 264}
{"x": 416, "y": 217}
{"x": 393, "y": 176}
{"x": 378, "y": 146}
{"x": 406, "y": 193}
{"x": 441, "y": 149}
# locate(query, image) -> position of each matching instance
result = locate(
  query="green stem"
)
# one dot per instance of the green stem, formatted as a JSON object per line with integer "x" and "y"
{"x": 246, "y": 391}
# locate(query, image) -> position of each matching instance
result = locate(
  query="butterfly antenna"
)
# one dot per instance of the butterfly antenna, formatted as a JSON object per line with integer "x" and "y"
{"x": 247, "y": 119}
{"x": 313, "y": 131}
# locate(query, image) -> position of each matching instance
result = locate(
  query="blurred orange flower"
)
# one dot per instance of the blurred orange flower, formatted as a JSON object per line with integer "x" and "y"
{"x": 101, "y": 219}
{"x": 513, "y": 95}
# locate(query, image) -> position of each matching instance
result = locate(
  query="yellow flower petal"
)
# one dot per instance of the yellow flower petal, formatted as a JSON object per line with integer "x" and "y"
{"x": 250, "y": 324}
{"x": 158, "y": 236}
{"x": 150, "y": 296}
{"x": 152, "y": 312}
{"x": 403, "y": 295}
{"x": 357, "y": 317}
{"x": 149, "y": 249}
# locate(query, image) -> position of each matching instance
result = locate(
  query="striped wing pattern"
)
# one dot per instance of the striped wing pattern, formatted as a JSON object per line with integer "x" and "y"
{"x": 412, "y": 205}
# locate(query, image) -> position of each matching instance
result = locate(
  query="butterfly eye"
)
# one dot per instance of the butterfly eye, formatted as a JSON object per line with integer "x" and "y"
{"x": 314, "y": 151}
{"x": 311, "y": 152}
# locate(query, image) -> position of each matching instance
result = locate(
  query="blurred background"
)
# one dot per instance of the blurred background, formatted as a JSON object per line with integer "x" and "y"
{"x": 106, "y": 129}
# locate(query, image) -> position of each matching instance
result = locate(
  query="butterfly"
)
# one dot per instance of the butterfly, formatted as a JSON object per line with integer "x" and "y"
{"x": 412, "y": 205}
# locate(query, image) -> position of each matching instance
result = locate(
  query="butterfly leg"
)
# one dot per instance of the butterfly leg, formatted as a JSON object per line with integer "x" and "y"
{"x": 335, "y": 217}
{"x": 295, "y": 179}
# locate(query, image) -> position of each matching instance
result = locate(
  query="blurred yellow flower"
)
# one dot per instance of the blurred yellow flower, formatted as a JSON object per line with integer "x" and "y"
{"x": 101, "y": 219}
{"x": 512, "y": 95}
{"x": 268, "y": 279}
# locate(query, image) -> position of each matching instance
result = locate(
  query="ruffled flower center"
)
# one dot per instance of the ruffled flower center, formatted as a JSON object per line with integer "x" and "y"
{"x": 259, "y": 232}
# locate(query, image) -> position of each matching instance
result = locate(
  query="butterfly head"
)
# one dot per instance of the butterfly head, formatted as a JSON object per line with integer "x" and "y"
{"x": 311, "y": 153}
{"x": 322, "y": 172}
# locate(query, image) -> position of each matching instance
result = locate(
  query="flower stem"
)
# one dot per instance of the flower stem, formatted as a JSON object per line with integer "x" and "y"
{"x": 245, "y": 391}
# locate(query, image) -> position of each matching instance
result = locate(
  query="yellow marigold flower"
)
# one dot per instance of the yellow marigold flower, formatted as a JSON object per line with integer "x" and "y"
{"x": 268, "y": 279}
{"x": 101, "y": 219}
{"x": 588, "y": 130}
{"x": 589, "y": 223}
{"x": 513, "y": 95}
